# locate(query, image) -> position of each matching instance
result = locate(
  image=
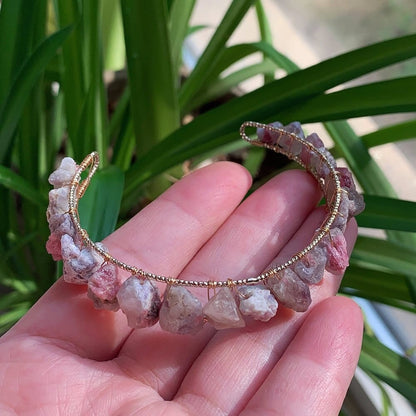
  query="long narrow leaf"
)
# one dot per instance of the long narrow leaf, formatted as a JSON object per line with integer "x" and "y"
{"x": 23, "y": 84}
{"x": 265, "y": 32}
{"x": 16, "y": 28}
{"x": 382, "y": 97}
{"x": 153, "y": 97}
{"x": 230, "y": 56}
{"x": 264, "y": 104}
{"x": 14, "y": 182}
{"x": 179, "y": 16}
{"x": 385, "y": 254}
{"x": 391, "y": 134}
{"x": 73, "y": 81}
{"x": 101, "y": 203}
{"x": 388, "y": 213}
{"x": 377, "y": 285}
{"x": 224, "y": 85}
{"x": 397, "y": 371}
{"x": 207, "y": 60}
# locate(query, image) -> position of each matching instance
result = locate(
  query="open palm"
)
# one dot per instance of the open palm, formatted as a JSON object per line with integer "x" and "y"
{"x": 66, "y": 358}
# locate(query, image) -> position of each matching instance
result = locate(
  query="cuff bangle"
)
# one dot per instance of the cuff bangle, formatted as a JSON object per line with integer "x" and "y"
{"x": 235, "y": 301}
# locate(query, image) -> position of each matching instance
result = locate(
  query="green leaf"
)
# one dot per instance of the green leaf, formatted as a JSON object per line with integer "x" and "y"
{"x": 215, "y": 86}
{"x": 397, "y": 371}
{"x": 99, "y": 207}
{"x": 391, "y": 134}
{"x": 94, "y": 131}
{"x": 73, "y": 82}
{"x": 209, "y": 57}
{"x": 14, "y": 182}
{"x": 384, "y": 97}
{"x": 16, "y": 44}
{"x": 224, "y": 85}
{"x": 265, "y": 32}
{"x": 388, "y": 214}
{"x": 112, "y": 36}
{"x": 385, "y": 254}
{"x": 220, "y": 126}
{"x": 24, "y": 82}
{"x": 154, "y": 106}
{"x": 377, "y": 285}
{"x": 180, "y": 15}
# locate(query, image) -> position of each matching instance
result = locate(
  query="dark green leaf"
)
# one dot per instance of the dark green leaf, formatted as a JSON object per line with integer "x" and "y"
{"x": 73, "y": 81}
{"x": 24, "y": 82}
{"x": 382, "y": 97}
{"x": 210, "y": 56}
{"x": 265, "y": 32}
{"x": 180, "y": 14}
{"x": 13, "y": 181}
{"x": 377, "y": 285}
{"x": 219, "y": 126}
{"x": 391, "y": 134}
{"x": 99, "y": 207}
{"x": 385, "y": 254}
{"x": 388, "y": 213}
{"x": 154, "y": 105}
{"x": 399, "y": 372}
{"x": 18, "y": 24}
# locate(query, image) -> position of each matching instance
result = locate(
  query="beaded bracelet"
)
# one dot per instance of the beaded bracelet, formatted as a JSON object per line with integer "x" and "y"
{"x": 235, "y": 301}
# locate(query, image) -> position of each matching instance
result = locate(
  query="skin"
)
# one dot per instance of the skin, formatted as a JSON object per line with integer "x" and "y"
{"x": 66, "y": 358}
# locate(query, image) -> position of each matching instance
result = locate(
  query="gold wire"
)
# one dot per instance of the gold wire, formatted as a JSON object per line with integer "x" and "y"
{"x": 77, "y": 190}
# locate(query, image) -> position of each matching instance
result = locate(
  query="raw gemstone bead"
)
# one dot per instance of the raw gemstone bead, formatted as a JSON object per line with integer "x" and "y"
{"x": 181, "y": 311}
{"x": 140, "y": 302}
{"x": 59, "y": 225}
{"x": 336, "y": 251}
{"x": 103, "y": 286}
{"x": 345, "y": 178}
{"x": 58, "y": 202}
{"x": 285, "y": 142}
{"x": 296, "y": 128}
{"x": 53, "y": 246}
{"x": 290, "y": 290}
{"x": 343, "y": 211}
{"x": 357, "y": 204}
{"x": 329, "y": 157}
{"x": 296, "y": 148}
{"x": 267, "y": 136}
{"x": 64, "y": 174}
{"x": 316, "y": 141}
{"x": 311, "y": 267}
{"x": 257, "y": 302}
{"x": 79, "y": 264}
{"x": 222, "y": 311}
{"x": 316, "y": 164}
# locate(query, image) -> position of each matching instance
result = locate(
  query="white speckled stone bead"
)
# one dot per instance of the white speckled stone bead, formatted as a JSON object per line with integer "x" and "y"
{"x": 222, "y": 311}
{"x": 181, "y": 311}
{"x": 290, "y": 290}
{"x": 64, "y": 174}
{"x": 257, "y": 302}
{"x": 140, "y": 302}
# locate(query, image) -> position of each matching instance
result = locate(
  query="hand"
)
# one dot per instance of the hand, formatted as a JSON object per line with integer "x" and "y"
{"x": 64, "y": 357}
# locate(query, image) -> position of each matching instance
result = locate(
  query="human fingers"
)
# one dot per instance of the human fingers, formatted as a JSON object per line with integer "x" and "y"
{"x": 162, "y": 238}
{"x": 242, "y": 246}
{"x": 313, "y": 375}
{"x": 235, "y": 363}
